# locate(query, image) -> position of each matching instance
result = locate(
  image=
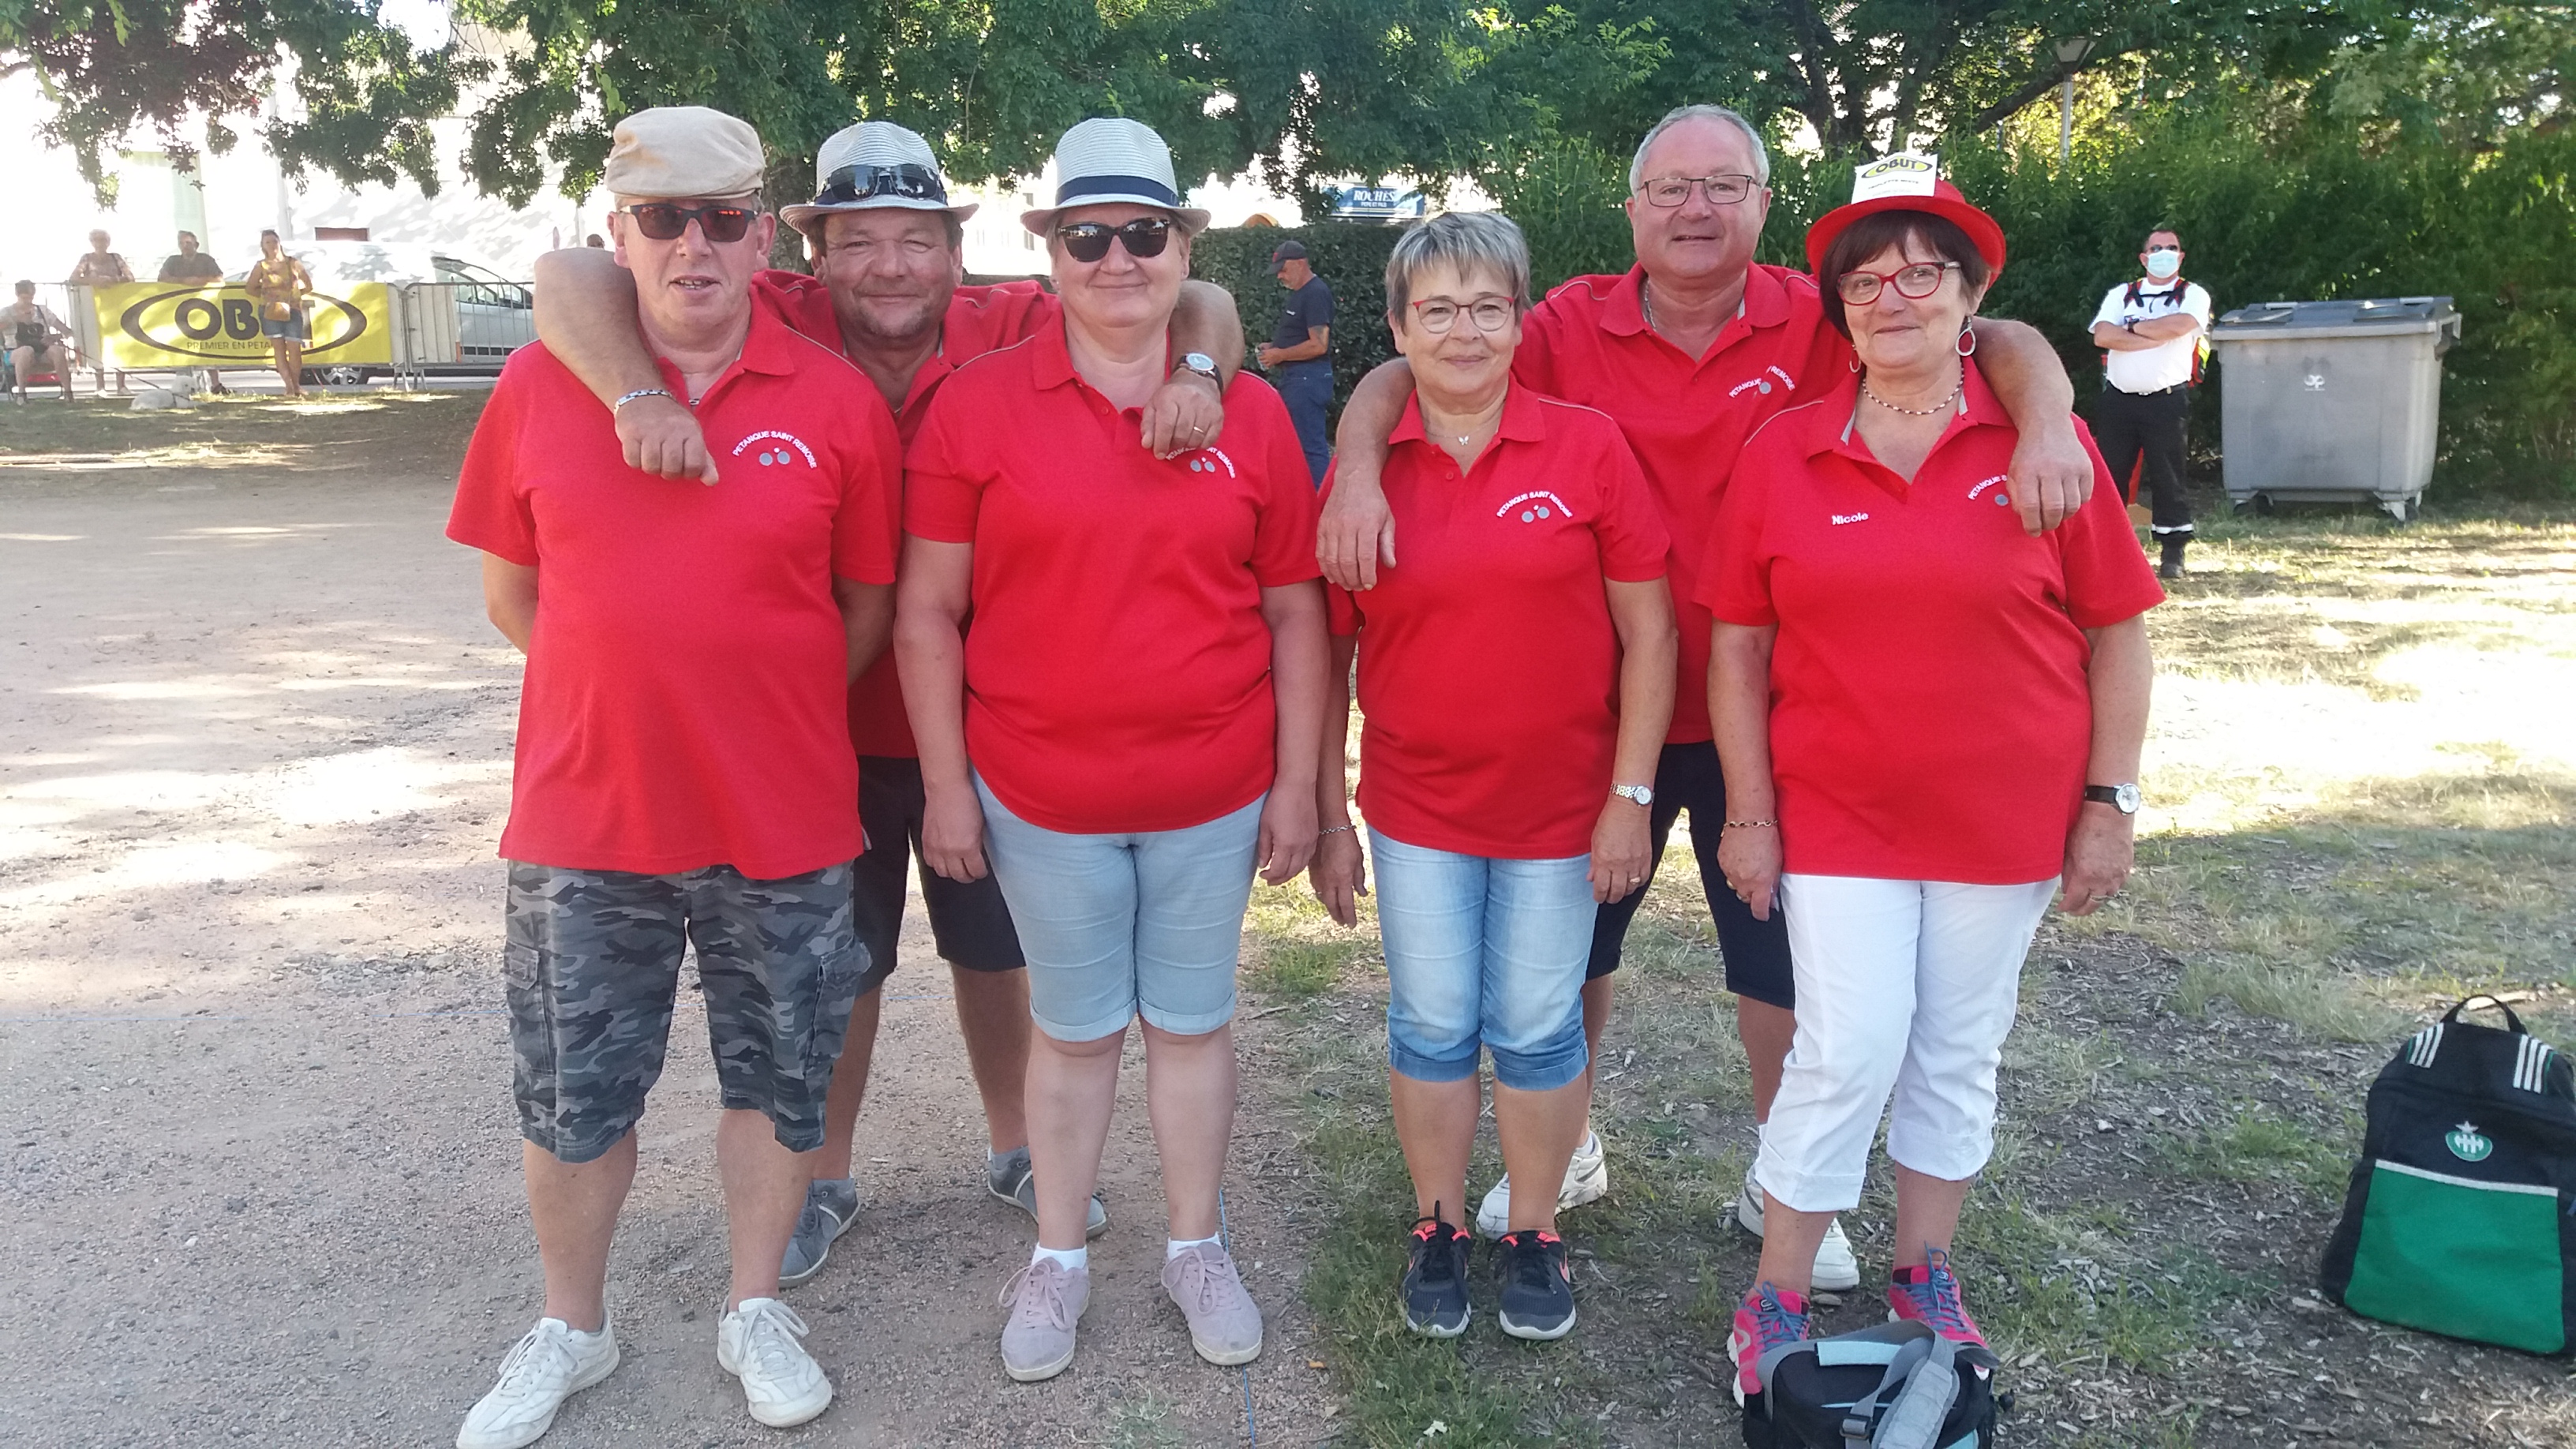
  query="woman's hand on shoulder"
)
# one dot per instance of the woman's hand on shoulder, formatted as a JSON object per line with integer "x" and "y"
{"x": 1339, "y": 875}
{"x": 1287, "y": 839}
{"x": 1622, "y": 847}
{"x": 1750, "y": 857}
{"x": 2100, "y": 851}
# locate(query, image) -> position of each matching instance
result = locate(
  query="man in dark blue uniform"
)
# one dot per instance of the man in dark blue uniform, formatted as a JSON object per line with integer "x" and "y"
{"x": 1298, "y": 356}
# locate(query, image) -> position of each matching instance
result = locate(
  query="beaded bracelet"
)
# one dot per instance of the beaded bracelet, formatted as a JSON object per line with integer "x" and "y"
{"x": 1334, "y": 830}
{"x": 1753, "y": 825}
{"x": 640, "y": 392}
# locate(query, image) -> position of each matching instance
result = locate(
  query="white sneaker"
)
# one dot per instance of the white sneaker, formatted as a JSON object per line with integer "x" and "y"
{"x": 1837, "y": 1271}
{"x": 1587, "y": 1179}
{"x": 759, "y": 1343}
{"x": 550, "y": 1365}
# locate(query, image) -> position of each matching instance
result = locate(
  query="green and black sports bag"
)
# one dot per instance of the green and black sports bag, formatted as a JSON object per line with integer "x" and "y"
{"x": 2461, "y": 1218}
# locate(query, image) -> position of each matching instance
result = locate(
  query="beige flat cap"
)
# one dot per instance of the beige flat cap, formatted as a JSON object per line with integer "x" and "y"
{"x": 683, "y": 151}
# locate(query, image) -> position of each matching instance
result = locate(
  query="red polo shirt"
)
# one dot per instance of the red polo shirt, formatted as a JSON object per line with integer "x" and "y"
{"x": 1118, "y": 674}
{"x": 683, "y": 700}
{"x": 979, "y": 319}
{"x": 1687, "y": 418}
{"x": 1489, "y": 668}
{"x": 1930, "y": 713}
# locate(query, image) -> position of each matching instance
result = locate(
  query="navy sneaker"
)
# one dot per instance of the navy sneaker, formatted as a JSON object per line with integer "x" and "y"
{"x": 830, "y": 1207}
{"x": 1538, "y": 1287}
{"x": 1435, "y": 1279}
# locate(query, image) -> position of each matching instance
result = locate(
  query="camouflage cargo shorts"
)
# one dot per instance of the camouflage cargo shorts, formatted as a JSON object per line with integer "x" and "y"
{"x": 592, "y": 968}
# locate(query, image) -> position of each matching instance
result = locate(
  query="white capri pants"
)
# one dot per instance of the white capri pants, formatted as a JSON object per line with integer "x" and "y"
{"x": 1906, "y": 986}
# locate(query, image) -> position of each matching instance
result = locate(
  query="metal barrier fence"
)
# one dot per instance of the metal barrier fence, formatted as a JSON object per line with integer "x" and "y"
{"x": 436, "y": 329}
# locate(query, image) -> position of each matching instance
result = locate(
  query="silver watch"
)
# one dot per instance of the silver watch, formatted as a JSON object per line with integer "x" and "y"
{"x": 2123, "y": 798}
{"x": 1643, "y": 795}
{"x": 1202, "y": 364}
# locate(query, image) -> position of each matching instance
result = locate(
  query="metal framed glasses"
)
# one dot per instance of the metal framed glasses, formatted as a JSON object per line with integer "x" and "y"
{"x": 859, "y": 182}
{"x": 1088, "y": 241}
{"x": 1490, "y": 314}
{"x": 1917, "y": 281}
{"x": 1674, "y": 190}
{"x": 663, "y": 221}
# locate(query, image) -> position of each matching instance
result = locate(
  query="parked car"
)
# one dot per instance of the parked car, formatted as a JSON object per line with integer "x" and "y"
{"x": 494, "y": 315}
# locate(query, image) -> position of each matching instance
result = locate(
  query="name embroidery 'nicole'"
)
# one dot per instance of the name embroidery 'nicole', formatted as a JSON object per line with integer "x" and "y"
{"x": 1851, "y": 518}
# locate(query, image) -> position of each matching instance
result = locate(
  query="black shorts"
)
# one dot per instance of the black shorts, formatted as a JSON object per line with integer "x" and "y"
{"x": 968, "y": 921}
{"x": 1756, "y": 952}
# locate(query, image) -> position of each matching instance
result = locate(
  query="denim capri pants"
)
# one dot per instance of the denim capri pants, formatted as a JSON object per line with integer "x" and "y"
{"x": 1148, "y": 923}
{"x": 1484, "y": 952}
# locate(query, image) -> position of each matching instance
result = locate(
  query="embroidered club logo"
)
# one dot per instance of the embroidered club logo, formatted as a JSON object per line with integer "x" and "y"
{"x": 1534, "y": 507}
{"x": 2467, "y": 1144}
{"x": 2002, "y": 499}
{"x": 774, "y": 447}
{"x": 1762, "y": 384}
{"x": 1206, "y": 459}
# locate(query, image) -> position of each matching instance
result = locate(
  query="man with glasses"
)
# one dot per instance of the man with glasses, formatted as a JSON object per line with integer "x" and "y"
{"x": 1691, "y": 351}
{"x": 683, "y": 772}
{"x": 2150, "y": 332}
{"x": 1298, "y": 355}
{"x": 888, "y": 295}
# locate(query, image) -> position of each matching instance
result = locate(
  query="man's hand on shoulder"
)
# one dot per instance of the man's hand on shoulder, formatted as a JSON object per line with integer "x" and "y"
{"x": 2050, "y": 476}
{"x": 661, "y": 436}
{"x": 1187, "y": 411}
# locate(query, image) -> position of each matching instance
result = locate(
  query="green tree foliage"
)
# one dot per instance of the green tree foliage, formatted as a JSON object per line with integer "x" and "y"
{"x": 1350, "y": 257}
{"x": 115, "y": 68}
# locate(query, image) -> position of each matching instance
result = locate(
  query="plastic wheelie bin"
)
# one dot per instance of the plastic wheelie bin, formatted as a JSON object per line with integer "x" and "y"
{"x": 2332, "y": 402}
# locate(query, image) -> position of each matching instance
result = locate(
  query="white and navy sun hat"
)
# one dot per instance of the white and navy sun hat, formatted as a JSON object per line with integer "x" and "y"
{"x": 873, "y": 164}
{"x": 1111, "y": 158}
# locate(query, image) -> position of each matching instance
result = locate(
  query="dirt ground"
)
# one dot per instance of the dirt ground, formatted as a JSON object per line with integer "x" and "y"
{"x": 261, "y": 1179}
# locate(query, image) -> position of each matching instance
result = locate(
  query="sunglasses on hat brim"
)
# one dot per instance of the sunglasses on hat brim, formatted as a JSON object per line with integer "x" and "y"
{"x": 664, "y": 221}
{"x": 856, "y": 182}
{"x": 1088, "y": 241}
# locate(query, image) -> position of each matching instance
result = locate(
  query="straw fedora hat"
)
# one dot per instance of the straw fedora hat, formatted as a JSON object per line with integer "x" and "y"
{"x": 1111, "y": 158}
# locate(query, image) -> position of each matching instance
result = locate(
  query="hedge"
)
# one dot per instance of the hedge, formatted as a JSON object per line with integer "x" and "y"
{"x": 1349, "y": 256}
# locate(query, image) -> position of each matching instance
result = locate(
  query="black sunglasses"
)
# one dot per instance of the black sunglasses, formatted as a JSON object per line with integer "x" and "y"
{"x": 1088, "y": 241}
{"x": 663, "y": 221}
{"x": 858, "y": 183}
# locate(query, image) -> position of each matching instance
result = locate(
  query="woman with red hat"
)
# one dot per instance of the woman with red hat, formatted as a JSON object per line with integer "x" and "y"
{"x": 1930, "y": 723}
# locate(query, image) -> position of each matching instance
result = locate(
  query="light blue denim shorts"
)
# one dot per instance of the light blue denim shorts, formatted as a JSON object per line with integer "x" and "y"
{"x": 1484, "y": 952}
{"x": 1118, "y": 926}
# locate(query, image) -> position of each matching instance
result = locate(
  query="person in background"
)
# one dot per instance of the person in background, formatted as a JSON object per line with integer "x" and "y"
{"x": 1131, "y": 726}
{"x": 593, "y": 241}
{"x": 2150, "y": 332}
{"x": 684, "y": 776}
{"x": 188, "y": 264}
{"x": 1299, "y": 355}
{"x": 888, "y": 293}
{"x": 1516, "y": 671}
{"x": 35, "y": 339}
{"x": 99, "y": 267}
{"x": 1930, "y": 722}
{"x": 1690, "y": 351}
{"x": 278, "y": 285}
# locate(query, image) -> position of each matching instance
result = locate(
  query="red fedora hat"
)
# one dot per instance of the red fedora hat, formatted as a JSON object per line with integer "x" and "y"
{"x": 1906, "y": 181}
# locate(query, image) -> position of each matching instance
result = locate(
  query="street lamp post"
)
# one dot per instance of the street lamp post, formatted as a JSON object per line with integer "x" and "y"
{"x": 2070, "y": 54}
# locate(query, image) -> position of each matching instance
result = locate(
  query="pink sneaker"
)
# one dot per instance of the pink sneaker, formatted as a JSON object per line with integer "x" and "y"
{"x": 1930, "y": 1295}
{"x": 1766, "y": 1319}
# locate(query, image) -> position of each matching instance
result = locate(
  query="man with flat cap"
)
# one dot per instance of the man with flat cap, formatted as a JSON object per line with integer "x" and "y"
{"x": 1299, "y": 355}
{"x": 888, "y": 292}
{"x": 684, "y": 773}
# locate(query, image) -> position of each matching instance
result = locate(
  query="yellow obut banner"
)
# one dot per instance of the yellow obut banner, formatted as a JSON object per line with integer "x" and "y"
{"x": 148, "y": 324}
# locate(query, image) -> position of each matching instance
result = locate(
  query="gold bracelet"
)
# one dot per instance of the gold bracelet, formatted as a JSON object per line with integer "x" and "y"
{"x": 1753, "y": 824}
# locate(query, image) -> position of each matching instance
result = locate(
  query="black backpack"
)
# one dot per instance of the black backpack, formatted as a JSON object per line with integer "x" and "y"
{"x": 1895, "y": 1386}
{"x": 2461, "y": 1218}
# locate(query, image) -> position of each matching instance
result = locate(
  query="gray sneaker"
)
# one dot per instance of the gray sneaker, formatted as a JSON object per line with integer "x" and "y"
{"x": 1009, "y": 1178}
{"x": 830, "y": 1208}
{"x": 1225, "y": 1325}
{"x": 1046, "y": 1300}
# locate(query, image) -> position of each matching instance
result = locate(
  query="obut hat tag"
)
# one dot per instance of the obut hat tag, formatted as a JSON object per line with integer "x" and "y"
{"x": 1907, "y": 173}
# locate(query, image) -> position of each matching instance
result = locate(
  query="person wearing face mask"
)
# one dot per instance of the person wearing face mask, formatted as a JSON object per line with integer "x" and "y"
{"x": 2151, "y": 334}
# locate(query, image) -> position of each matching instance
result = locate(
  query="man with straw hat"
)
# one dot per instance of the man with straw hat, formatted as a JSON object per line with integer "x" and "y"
{"x": 889, "y": 293}
{"x": 683, "y": 774}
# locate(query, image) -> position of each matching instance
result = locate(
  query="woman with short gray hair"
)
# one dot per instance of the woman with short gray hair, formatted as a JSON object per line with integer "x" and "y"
{"x": 1516, "y": 673}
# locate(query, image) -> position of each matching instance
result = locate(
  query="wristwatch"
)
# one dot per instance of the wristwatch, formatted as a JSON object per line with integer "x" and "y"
{"x": 2123, "y": 798}
{"x": 1203, "y": 365}
{"x": 1643, "y": 795}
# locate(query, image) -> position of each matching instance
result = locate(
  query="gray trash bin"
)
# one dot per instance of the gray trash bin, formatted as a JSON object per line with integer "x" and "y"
{"x": 2332, "y": 402}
